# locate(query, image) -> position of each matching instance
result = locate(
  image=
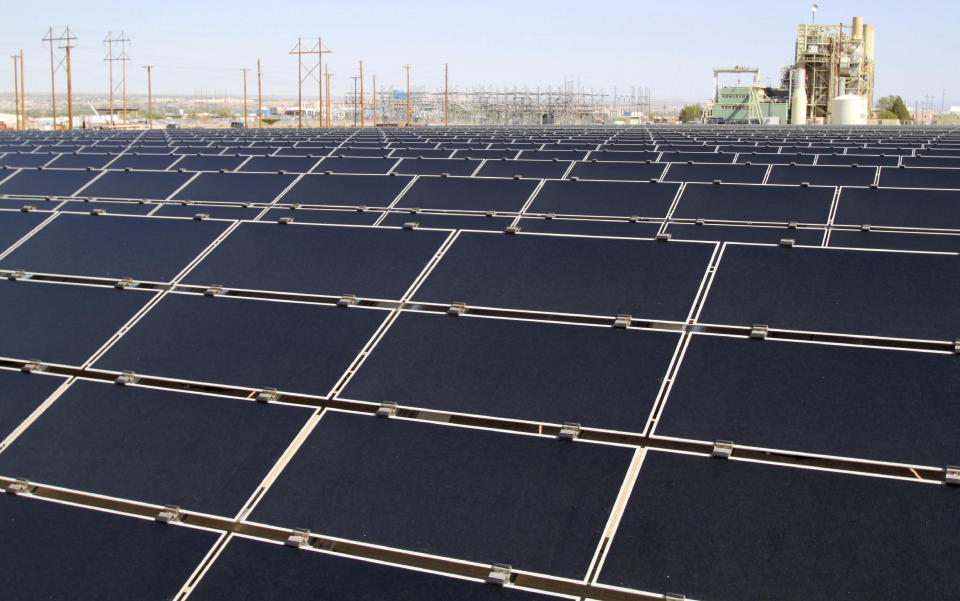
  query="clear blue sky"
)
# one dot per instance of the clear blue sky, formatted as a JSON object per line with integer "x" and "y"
{"x": 670, "y": 47}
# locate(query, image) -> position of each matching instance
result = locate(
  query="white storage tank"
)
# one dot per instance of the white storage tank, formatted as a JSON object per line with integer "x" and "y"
{"x": 849, "y": 110}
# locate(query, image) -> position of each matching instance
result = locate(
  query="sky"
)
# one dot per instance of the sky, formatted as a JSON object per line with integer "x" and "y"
{"x": 669, "y": 47}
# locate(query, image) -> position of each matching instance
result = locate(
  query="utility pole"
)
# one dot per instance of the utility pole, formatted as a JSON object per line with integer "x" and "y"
{"x": 67, "y": 38}
{"x": 407, "y": 67}
{"x": 446, "y": 94}
{"x": 374, "y": 100}
{"x": 300, "y": 50}
{"x": 53, "y": 86}
{"x": 16, "y": 91}
{"x": 122, "y": 39}
{"x": 326, "y": 77}
{"x": 23, "y": 94}
{"x": 354, "y": 78}
{"x": 259, "y": 98}
{"x": 245, "y": 97}
{"x": 362, "y": 118}
{"x": 149, "y": 98}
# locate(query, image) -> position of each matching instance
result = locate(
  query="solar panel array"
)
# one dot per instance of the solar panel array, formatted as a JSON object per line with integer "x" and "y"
{"x": 479, "y": 363}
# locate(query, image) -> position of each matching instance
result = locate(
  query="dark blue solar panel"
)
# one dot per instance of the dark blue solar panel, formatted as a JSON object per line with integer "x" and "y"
{"x": 934, "y": 161}
{"x": 236, "y": 187}
{"x": 71, "y": 553}
{"x": 617, "y": 170}
{"x": 479, "y": 153}
{"x": 81, "y": 160}
{"x": 822, "y": 176}
{"x": 60, "y": 323}
{"x": 143, "y": 161}
{"x": 137, "y": 184}
{"x": 815, "y": 398}
{"x": 468, "y": 194}
{"x": 569, "y": 275}
{"x": 755, "y": 203}
{"x": 434, "y": 220}
{"x": 47, "y": 182}
{"x": 171, "y": 209}
{"x": 534, "y": 503}
{"x": 919, "y": 177}
{"x": 323, "y": 216}
{"x": 549, "y": 155}
{"x": 285, "y": 163}
{"x": 692, "y": 522}
{"x": 851, "y": 159}
{"x": 766, "y": 158}
{"x": 899, "y": 208}
{"x": 16, "y": 224}
{"x": 642, "y": 199}
{"x": 368, "y": 262}
{"x": 348, "y": 164}
{"x": 22, "y": 394}
{"x": 25, "y": 160}
{"x": 203, "y": 453}
{"x": 846, "y": 291}
{"x": 476, "y": 365}
{"x": 527, "y": 169}
{"x": 346, "y": 190}
{"x": 735, "y": 173}
{"x": 426, "y": 153}
{"x": 209, "y": 163}
{"x": 589, "y": 227}
{"x": 249, "y": 569}
{"x": 895, "y": 240}
{"x": 624, "y": 155}
{"x": 745, "y": 233}
{"x": 697, "y": 157}
{"x": 251, "y": 343}
{"x": 105, "y": 246}
{"x": 416, "y": 166}
{"x": 110, "y": 207}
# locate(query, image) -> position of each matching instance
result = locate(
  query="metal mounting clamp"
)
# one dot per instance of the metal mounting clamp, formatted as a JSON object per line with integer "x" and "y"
{"x": 499, "y": 574}
{"x": 787, "y": 242}
{"x": 201, "y": 216}
{"x": 387, "y": 410}
{"x": 31, "y": 366}
{"x": 213, "y": 290}
{"x": 123, "y": 283}
{"x": 952, "y": 475}
{"x": 27, "y": 208}
{"x": 664, "y": 237}
{"x": 126, "y": 377}
{"x": 722, "y": 449}
{"x": 569, "y": 431}
{"x": 456, "y": 308}
{"x": 792, "y": 225}
{"x": 346, "y": 300}
{"x": 411, "y": 225}
{"x": 98, "y": 212}
{"x": 285, "y": 220}
{"x": 18, "y": 486}
{"x": 865, "y": 227}
{"x": 511, "y": 230}
{"x": 674, "y": 597}
{"x": 956, "y": 346}
{"x": 169, "y": 513}
{"x": 267, "y": 395}
{"x": 622, "y": 321}
{"x": 759, "y": 332}
{"x": 299, "y": 537}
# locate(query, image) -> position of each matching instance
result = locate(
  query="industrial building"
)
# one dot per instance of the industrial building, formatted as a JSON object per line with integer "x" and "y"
{"x": 753, "y": 103}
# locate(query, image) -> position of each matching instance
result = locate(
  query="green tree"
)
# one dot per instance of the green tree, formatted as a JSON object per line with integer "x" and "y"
{"x": 691, "y": 112}
{"x": 225, "y": 113}
{"x": 900, "y": 110}
{"x": 885, "y": 103}
{"x": 886, "y": 114}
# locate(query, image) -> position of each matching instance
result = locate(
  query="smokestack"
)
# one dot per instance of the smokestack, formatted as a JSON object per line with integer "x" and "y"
{"x": 858, "y": 28}
{"x": 868, "y": 38}
{"x": 798, "y": 108}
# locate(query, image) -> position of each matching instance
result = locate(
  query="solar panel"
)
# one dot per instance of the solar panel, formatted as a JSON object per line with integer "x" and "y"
{"x": 415, "y": 166}
{"x": 815, "y": 398}
{"x": 233, "y": 341}
{"x": 898, "y": 208}
{"x": 617, "y": 170}
{"x": 450, "y": 221}
{"x": 114, "y": 246}
{"x": 642, "y": 199}
{"x": 110, "y": 207}
{"x": 25, "y": 160}
{"x": 236, "y": 187}
{"x": 775, "y": 527}
{"x": 136, "y": 184}
{"x": 852, "y": 159}
{"x": 528, "y": 169}
{"x": 201, "y": 452}
{"x": 426, "y": 153}
{"x": 920, "y": 177}
{"x": 46, "y": 182}
{"x": 74, "y": 553}
{"x": 775, "y": 158}
{"x": 215, "y": 211}
{"x": 549, "y": 155}
{"x": 698, "y": 157}
{"x": 157, "y": 162}
{"x": 745, "y": 233}
{"x": 345, "y": 164}
{"x": 368, "y": 262}
{"x": 81, "y": 160}
{"x": 23, "y": 393}
{"x": 755, "y": 203}
{"x": 346, "y": 190}
{"x": 248, "y": 568}
{"x": 895, "y": 240}
{"x": 590, "y": 227}
{"x": 899, "y": 295}
{"x": 822, "y": 176}
{"x": 480, "y": 153}
{"x": 300, "y": 215}
{"x": 544, "y": 512}
{"x": 482, "y": 366}
{"x": 14, "y": 225}
{"x": 285, "y": 163}
{"x": 209, "y": 163}
{"x": 569, "y": 275}
{"x": 934, "y": 161}
{"x": 624, "y": 155}
{"x": 702, "y": 172}
{"x": 58, "y": 323}
{"x": 468, "y": 194}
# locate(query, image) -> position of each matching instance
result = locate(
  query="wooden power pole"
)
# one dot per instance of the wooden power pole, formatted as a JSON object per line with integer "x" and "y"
{"x": 53, "y": 85}
{"x": 446, "y": 94}
{"x": 326, "y": 77}
{"x": 149, "y": 98}
{"x": 374, "y": 100}
{"x": 362, "y": 118}
{"x": 244, "y": 97}
{"x": 407, "y": 67}
{"x": 16, "y": 92}
{"x": 259, "y": 98}
{"x": 23, "y": 94}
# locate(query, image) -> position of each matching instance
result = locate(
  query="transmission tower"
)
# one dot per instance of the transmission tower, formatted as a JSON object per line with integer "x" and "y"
{"x": 122, "y": 39}
{"x": 301, "y": 50}
{"x": 65, "y": 41}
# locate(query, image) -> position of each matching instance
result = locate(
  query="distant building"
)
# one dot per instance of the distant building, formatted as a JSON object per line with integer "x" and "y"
{"x": 747, "y": 104}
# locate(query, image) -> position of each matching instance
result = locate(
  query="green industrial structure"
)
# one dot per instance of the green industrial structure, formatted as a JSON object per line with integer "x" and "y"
{"x": 748, "y": 104}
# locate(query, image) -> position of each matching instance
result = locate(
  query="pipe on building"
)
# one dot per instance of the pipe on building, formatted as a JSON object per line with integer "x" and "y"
{"x": 858, "y": 28}
{"x": 798, "y": 108}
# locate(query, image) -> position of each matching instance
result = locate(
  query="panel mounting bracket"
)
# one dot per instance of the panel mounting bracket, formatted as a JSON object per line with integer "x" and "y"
{"x": 18, "y": 486}
{"x": 16, "y": 275}
{"x": 268, "y": 395}
{"x": 759, "y": 332}
{"x": 98, "y": 212}
{"x": 126, "y": 377}
{"x": 27, "y": 208}
{"x": 664, "y": 237}
{"x": 499, "y": 574}
{"x": 31, "y": 366}
{"x": 213, "y": 290}
{"x": 411, "y": 225}
{"x": 169, "y": 513}
{"x": 674, "y": 597}
{"x": 457, "y": 308}
{"x": 622, "y": 321}
{"x": 569, "y": 431}
{"x": 722, "y": 449}
{"x": 285, "y": 220}
{"x": 201, "y": 216}
{"x": 123, "y": 283}
{"x": 299, "y": 537}
{"x": 346, "y": 300}
{"x": 952, "y": 475}
{"x": 513, "y": 229}
{"x": 787, "y": 242}
{"x": 387, "y": 410}
{"x": 956, "y": 346}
